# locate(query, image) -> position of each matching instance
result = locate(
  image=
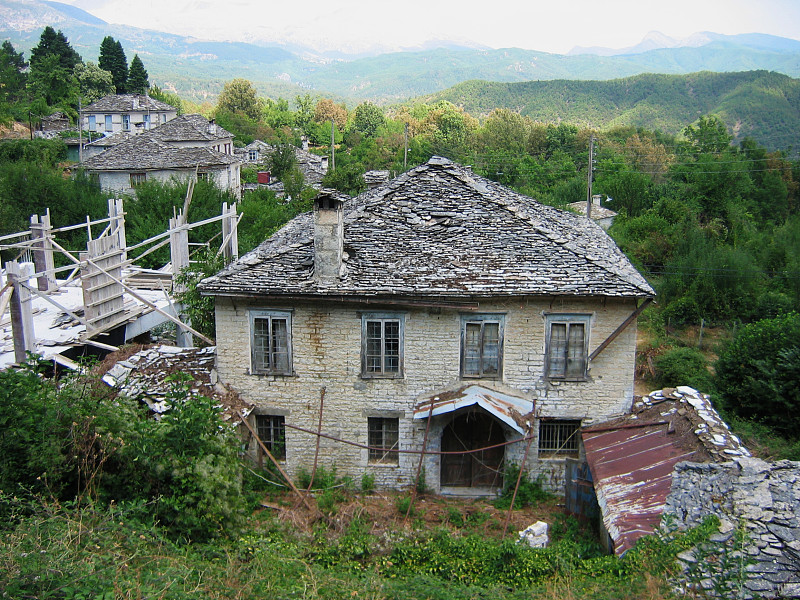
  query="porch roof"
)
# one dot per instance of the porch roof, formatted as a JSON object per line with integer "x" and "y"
{"x": 514, "y": 411}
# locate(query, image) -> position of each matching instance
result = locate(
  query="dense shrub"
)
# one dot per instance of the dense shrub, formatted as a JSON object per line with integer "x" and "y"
{"x": 758, "y": 373}
{"x": 683, "y": 366}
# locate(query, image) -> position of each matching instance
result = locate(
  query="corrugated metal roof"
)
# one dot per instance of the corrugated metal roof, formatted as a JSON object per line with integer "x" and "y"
{"x": 514, "y": 411}
{"x": 632, "y": 458}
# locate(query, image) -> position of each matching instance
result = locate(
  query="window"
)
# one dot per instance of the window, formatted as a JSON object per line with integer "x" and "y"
{"x": 271, "y": 430}
{"x": 252, "y": 155}
{"x": 271, "y": 348}
{"x": 202, "y": 176}
{"x": 138, "y": 179}
{"x": 567, "y": 341}
{"x": 163, "y": 118}
{"x": 482, "y": 345}
{"x": 381, "y": 345}
{"x": 126, "y": 122}
{"x": 383, "y": 437}
{"x": 146, "y": 121}
{"x": 108, "y": 125}
{"x": 92, "y": 123}
{"x": 559, "y": 437}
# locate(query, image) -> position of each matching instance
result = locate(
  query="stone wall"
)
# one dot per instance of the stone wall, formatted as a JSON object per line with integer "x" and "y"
{"x": 765, "y": 499}
{"x": 326, "y": 344}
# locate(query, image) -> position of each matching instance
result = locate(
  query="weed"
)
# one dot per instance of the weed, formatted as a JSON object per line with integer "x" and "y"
{"x": 454, "y": 516}
{"x": 367, "y": 483}
{"x": 529, "y": 493}
{"x": 403, "y": 504}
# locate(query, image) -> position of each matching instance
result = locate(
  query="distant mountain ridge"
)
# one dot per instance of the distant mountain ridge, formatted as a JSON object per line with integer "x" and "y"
{"x": 760, "y": 104}
{"x": 197, "y": 69}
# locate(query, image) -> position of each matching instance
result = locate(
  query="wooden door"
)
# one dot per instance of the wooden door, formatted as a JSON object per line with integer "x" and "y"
{"x": 475, "y": 429}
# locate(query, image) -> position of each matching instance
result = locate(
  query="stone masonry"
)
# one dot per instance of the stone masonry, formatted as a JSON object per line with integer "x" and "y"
{"x": 765, "y": 499}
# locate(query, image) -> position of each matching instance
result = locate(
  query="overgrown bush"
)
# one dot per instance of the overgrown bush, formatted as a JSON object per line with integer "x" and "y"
{"x": 758, "y": 373}
{"x": 683, "y": 366}
{"x": 530, "y": 492}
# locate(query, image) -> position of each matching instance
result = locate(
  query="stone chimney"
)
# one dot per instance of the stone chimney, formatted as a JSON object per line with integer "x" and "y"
{"x": 596, "y": 199}
{"x": 212, "y": 127}
{"x": 328, "y": 235}
{"x": 324, "y": 163}
{"x": 304, "y": 143}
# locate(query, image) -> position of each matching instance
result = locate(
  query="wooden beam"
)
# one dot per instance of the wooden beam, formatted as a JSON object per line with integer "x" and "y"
{"x": 620, "y": 329}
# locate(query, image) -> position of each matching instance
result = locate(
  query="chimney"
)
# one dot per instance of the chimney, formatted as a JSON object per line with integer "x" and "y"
{"x": 212, "y": 127}
{"x": 324, "y": 164}
{"x": 596, "y": 199}
{"x": 328, "y": 235}
{"x": 304, "y": 142}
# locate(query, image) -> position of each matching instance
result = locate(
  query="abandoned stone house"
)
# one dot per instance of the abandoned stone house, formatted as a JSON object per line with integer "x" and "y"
{"x": 440, "y": 311}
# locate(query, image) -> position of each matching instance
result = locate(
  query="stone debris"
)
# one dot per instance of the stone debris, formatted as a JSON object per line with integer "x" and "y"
{"x": 146, "y": 375}
{"x": 535, "y": 535}
{"x": 761, "y": 498}
{"x": 709, "y": 428}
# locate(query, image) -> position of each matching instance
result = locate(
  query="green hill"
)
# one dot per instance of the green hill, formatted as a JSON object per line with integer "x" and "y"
{"x": 760, "y": 104}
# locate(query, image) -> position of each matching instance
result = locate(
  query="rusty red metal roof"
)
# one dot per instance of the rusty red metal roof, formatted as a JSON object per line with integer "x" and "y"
{"x": 632, "y": 458}
{"x": 632, "y": 472}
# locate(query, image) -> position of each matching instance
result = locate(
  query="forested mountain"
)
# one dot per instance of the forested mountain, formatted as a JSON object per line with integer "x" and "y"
{"x": 759, "y": 104}
{"x": 197, "y": 69}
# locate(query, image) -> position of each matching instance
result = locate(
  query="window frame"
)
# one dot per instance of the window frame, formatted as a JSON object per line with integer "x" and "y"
{"x": 558, "y": 450}
{"x": 270, "y": 316}
{"x": 277, "y": 423}
{"x": 383, "y": 318}
{"x": 138, "y": 178}
{"x": 126, "y": 122}
{"x": 108, "y": 123}
{"x": 92, "y": 123}
{"x": 482, "y": 319}
{"x": 252, "y": 155}
{"x": 383, "y": 455}
{"x": 569, "y": 320}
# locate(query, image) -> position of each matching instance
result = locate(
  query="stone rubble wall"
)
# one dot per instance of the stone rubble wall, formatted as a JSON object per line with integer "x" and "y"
{"x": 764, "y": 498}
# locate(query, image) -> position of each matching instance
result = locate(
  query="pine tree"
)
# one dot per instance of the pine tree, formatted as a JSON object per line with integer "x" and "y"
{"x": 52, "y": 42}
{"x": 113, "y": 60}
{"x": 12, "y": 71}
{"x": 137, "y": 77}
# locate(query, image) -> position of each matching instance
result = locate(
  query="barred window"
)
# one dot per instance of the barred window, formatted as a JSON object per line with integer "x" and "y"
{"x": 270, "y": 343}
{"x": 382, "y": 345}
{"x": 382, "y": 438}
{"x": 567, "y": 341}
{"x": 482, "y": 346}
{"x": 272, "y": 432}
{"x": 559, "y": 437}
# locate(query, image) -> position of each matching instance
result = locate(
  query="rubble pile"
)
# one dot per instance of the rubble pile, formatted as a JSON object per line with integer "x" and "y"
{"x": 147, "y": 375}
{"x": 761, "y": 498}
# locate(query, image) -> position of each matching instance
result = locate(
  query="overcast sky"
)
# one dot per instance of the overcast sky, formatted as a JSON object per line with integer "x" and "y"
{"x": 550, "y": 26}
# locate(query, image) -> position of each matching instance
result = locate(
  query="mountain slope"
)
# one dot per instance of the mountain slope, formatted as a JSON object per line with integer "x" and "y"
{"x": 760, "y": 104}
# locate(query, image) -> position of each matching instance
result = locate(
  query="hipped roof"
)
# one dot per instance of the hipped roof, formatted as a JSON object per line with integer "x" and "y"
{"x": 441, "y": 231}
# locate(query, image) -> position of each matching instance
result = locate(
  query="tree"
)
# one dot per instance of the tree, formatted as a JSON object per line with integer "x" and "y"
{"x": 93, "y": 82}
{"x": 167, "y": 97}
{"x": 138, "y": 82}
{"x": 239, "y": 96}
{"x": 283, "y": 160}
{"x": 327, "y": 109}
{"x": 305, "y": 110}
{"x": 709, "y": 135}
{"x": 55, "y": 43}
{"x": 758, "y": 374}
{"x": 12, "y": 71}
{"x": 112, "y": 59}
{"x": 367, "y": 119}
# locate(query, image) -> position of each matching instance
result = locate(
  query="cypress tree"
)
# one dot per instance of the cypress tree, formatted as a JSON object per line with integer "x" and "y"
{"x": 52, "y": 42}
{"x": 112, "y": 59}
{"x": 137, "y": 77}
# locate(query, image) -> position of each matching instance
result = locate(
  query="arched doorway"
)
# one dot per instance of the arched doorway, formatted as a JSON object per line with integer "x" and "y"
{"x": 471, "y": 430}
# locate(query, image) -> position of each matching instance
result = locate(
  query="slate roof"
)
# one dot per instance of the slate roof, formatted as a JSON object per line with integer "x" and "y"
{"x": 122, "y": 103}
{"x": 190, "y": 128}
{"x": 309, "y": 164}
{"x": 441, "y": 231}
{"x": 142, "y": 153}
{"x": 106, "y": 141}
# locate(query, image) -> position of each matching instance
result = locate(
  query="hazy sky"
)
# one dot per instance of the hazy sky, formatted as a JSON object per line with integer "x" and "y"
{"x": 551, "y": 25}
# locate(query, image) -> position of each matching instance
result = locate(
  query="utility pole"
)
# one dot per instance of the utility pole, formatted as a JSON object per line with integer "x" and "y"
{"x": 80, "y": 128}
{"x": 590, "y": 177}
{"x": 333, "y": 148}
{"x": 405, "y": 154}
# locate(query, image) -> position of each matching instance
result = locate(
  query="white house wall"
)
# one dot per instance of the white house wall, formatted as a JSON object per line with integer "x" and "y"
{"x": 326, "y": 343}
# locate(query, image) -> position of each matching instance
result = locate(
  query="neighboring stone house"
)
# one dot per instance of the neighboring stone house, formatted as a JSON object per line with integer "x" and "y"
{"x": 312, "y": 166}
{"x": 131, "y": 162}
{"x": 440, "y": 310}
{"x": 126, "y": 112}
{"x": 195, "y": 131}
{"x": 600, "y": 214}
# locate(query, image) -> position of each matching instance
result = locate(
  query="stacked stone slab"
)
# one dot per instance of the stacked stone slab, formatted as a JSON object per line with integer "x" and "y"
{"x": 761, "y": 498}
